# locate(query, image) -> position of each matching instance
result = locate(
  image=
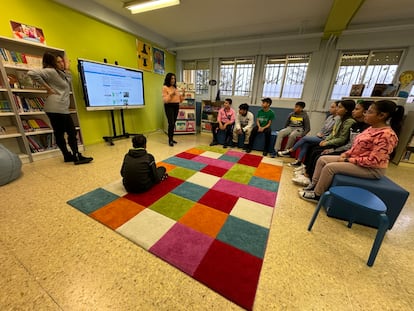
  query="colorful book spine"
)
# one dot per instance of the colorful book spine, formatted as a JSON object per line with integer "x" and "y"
{"x": 5, "y": 105}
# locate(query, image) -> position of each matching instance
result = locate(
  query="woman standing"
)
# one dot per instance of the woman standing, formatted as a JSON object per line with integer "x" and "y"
{"x": 172, "y": 98}
{"x": 57, "y": 81}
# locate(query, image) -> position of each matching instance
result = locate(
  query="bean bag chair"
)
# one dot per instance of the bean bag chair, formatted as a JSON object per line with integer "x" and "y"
{"x": 10, "y": 165}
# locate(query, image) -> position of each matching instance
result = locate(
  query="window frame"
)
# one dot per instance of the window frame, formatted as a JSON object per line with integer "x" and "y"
{"x": 237, "y": 63}
{"x": 366, "y": 68}
{"x": 198, "y": 65}
{"x": 285, "y": 61}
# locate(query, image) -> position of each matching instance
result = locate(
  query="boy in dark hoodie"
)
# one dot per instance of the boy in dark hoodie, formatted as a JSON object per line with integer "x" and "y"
{"x": 139, "y": 170}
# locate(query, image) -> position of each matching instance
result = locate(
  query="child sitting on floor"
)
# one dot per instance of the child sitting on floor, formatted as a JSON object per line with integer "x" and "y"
{"x": 138, "y": 170}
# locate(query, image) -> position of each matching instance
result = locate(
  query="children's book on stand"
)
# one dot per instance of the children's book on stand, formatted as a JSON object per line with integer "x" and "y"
{"x": 385, "y": 90}
{"x": 357, "y": 89}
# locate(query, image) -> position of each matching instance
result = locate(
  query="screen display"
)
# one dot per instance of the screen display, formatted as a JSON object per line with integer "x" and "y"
{"x": 109, "y": 87}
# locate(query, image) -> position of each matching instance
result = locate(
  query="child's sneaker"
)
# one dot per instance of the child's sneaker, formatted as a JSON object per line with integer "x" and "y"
{"x": 295, "y": 164}
{"x": 309, "y": 196}
{"x": 300, "y": 168}
{"x": 301, "y": 180}
{"x": 284, "y": 153}
{"x": 310, "y": 187}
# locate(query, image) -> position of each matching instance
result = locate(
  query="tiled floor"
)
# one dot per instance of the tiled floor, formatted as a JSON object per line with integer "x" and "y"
{"x": 55, "y": 258}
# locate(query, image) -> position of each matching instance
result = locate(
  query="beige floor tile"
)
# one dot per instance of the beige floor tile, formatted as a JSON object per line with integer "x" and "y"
{"x": 54, "y": 257}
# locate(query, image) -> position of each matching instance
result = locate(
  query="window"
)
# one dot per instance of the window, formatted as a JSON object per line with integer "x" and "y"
{"x": 197, "y": 72}
{"x": 236, "y": 76}
{"x": 366, "y": 67}
{"x": 284, "y": 76}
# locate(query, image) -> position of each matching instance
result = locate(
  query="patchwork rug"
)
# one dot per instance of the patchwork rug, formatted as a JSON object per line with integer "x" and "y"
{"x": 210, "y": 218}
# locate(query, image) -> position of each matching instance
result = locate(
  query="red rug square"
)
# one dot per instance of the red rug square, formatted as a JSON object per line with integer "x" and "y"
{"x": 155, "y": 193}
{"x": 231, "y": 272}
{"x": 186, "y": 155}
{"x": 251, "y": 160}
{"x": 219, "y": 200}
{"x": 214, "y": 170}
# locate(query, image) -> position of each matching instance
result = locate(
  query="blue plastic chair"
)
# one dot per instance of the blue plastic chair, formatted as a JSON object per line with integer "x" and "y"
{"x": 358, "y": 199}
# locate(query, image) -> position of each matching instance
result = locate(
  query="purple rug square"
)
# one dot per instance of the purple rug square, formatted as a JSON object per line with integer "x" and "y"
{"x": 234, "y": 153}
{"x": 245, "y": 191}
{"x": 183, "y": 247}
{"x": 215, "y": 162}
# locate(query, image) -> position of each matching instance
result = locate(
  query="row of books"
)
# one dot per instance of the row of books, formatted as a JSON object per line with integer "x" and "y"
{"x": 21, "y": 59}
{"x": 380, "y": 90}
{"x": 5, "y": 105}
{"x": 182, "y": 114}
{"x": 32, "y": 125}
{"x": 26, "y": 104}
{"x": 21, "y": 80}
{"x": 41, "y": 143}
{"x": 185, "y": 126}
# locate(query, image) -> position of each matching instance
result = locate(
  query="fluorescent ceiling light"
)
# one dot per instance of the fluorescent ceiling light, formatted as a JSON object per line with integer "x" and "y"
{"x": 140, "y": 6}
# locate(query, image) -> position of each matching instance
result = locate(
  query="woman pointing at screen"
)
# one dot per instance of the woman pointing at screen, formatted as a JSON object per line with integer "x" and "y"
{"x": 172, "y": 98}
{"x": 56, "y": 79}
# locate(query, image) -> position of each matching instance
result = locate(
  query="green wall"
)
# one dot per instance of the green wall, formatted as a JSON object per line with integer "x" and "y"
{"x": 84, "y": 37}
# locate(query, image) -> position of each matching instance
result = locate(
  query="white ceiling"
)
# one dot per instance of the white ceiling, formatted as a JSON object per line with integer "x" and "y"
{"x": 195, "y": 21}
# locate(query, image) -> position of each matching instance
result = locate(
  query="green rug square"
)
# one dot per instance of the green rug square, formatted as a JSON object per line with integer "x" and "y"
{"x": 240, "y": 173}
{"x": 181, "y": 173}
{"x": 172, "y": 206}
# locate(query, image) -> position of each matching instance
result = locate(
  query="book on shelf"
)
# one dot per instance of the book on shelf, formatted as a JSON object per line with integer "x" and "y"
{"x": 190, "y": 126}
{"x": 5, "y": 105}
{"x": 206, "y": 126}
{"x": 357, "y": 89}
{"x": 385, "y": 90}
{"x": 13, "y": 81}
{"x": 39, "y": 143}
{"x": 29, "y": 104}
{"x": 190, "y": 115}
{"x": 181, "y": 114}
{"x": 34, "y": 144}
{"x": 24, "y": 79}
{"x": 21, "y": 59}
{"x": 180, "y": 125}
{"x": 26, "y": 126}
{"x": 31, "y": 125}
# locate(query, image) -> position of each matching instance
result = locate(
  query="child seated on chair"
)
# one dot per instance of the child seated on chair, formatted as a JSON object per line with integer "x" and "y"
{"x": 297, "y": 125}
{"x": 225, "y": 121}
{"x": 138, "y": 170}
{"x": 243, "y": 125}
{"x": 369, "y": 154}
{"x": 306, "y": 141}
{"x": 264, "y": 120}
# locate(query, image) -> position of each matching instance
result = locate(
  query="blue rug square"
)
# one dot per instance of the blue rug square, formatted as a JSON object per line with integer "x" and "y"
{"x": 244, "y": 235}
{"x": 93, "y": 200}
